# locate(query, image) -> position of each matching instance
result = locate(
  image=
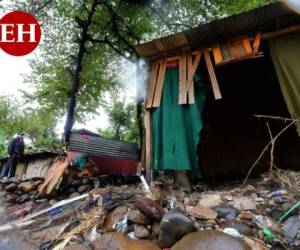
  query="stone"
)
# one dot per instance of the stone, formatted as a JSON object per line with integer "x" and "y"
{"x": 150, "y": 208}
{"x": 202, "y": 212}
{"x": 173, "y": 226}
{"x": 76, "y": 247}
{"x": 34, "y": 192}
{"x": 23, "y": 198}
{"x": 11, "y": 187}
{"x": 137, "y": 217}
{"x": 246, "y": 215}
{"x": 140, "y": 232}
{"x": 85, "y": 181}
{"x": 286, "y": 206}
{"x": 27, "y": 186}
{"x": 242, "y": 203}
{"x": 228, "y": 197}
{"x": 76, "y": 183}
{"x": 83, "y": 188}
{"x": 75, "y": 194}
{"x": 116, "y": 215}
{"x": 241, "y": 227}
{"x": 228, "y": 213}
{"x": 209, "y": 240}
{"x": 118, "y": 241}
{"x": 210, "y": 200}
{"x": 255, "y": 244}
{"x": 291, "y": 227}
{"x": 10, "y": 199}
{"x": 155, "y": 228}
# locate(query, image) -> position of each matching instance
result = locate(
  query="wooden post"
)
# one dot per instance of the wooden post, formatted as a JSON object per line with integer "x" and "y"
{"x": 212, "y": 75}
{"x": 149, "y": 149}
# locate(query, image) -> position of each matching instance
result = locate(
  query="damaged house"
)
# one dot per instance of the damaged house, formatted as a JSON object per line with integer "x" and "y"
{"x": 207, "y": 84}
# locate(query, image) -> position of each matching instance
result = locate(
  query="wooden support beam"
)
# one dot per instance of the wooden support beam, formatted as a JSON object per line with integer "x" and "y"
{"x": 149, "y": 150}
{"x": 256, "y": 42}
{"x": 217, "y": 53}
{"x": 160, "y": 84}
{"x": 212, "y": 75}
{"x": 182, "y": 97}
{"x": 280, "y": 32}
{"x": 152, "y": 84}
{"x": 192, "y": 68}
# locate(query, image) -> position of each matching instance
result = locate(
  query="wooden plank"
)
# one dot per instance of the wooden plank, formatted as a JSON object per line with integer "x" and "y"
{"x": 192, "y": 68}
{"x": 148, "y": 142}
{"x": 280, "y": 32}
{"x": 212, "y": 75}
{"x": 182, "y": 97}
{"x": 247, "y": 45}
{"x": 160, "y": 84}
{"x": 256, "y": 42}
{"x": 218, "y": 58}
{"x": 152, "y": 84}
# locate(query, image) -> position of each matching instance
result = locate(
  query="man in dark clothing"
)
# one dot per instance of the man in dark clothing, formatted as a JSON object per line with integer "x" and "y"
{"x": 15, "y": 150}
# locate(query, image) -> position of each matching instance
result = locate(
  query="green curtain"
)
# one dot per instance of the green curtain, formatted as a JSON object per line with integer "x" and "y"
{"x": 285, "y": 53}
{"x": 176, "y": 128}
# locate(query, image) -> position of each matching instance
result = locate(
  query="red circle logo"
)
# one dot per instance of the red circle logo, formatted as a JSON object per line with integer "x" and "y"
{"x": 20, "y": 33}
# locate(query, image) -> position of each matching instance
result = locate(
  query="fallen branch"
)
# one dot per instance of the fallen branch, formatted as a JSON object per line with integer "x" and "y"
{"x": 272, "y": 142}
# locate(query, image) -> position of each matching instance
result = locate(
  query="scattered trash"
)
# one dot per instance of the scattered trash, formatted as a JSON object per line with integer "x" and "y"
{"x": 233, "y": 232}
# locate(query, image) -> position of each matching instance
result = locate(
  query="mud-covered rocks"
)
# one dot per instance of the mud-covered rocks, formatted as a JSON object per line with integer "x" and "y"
{"x": 137, "y": 217}
{"x": 202, "y": 212}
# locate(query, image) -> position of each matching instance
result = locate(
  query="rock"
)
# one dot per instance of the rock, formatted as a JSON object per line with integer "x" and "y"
{"x": 75, "y": 194}
{"x": 118, "y": 241}
{"x": 150, "y": 208}
{"x": 202, "y": 212}
{"x": 115, "y": 216}
{"x": 228, "y": 197}
{"x": 209, "y": 240}
{"x": 85, "y": 181}
{"x": 23, "y": 198}
{"x": 228, "y": 213}
{"x": 286, "y": 206}
{"x": 291, "y": 227}
{"x": 137, "y": 217}
{"x": 242, "y": 203}
{"x": 34, "y": 192}
{"x": 71, "y": 190}
{"x": 76, "y": 183}
{"x": 246, "y": 215}
{"x": 255, "y": 244}
{"x": 155, "y": 228}
{"x": 141, "y": 232}
{"x": 281, "y": 199}
{"x": 210, "y": 200}
{"x": 241, "y": 227}
{"x": 83, "y": 188}
{"x": 173, "y": 226}
{"x": 10, "y": 199}
{"x": 27, "y": 186}
{"x": 11, "y": 187}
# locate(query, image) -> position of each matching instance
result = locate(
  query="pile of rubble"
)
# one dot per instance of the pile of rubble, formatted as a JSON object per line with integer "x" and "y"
{"x": 263, "y": 215}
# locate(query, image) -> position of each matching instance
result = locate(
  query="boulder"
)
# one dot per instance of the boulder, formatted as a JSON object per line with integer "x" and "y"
{"x": 242, "y": 203}
{"x": 83, "y": 188}
{"x": 27, "y": 186}
{"x": 141, "y": 232}
{"x": 228, "y": 213}
{"x": 118, "y": 241}
{"x": 11, "y": 187}
{"x": 209, "y": 240}
{"x": 210, "y": 200}
{"x": 202, "y": 212}
{"x": 137, "y": 217}
{"x": 173, "y": 226}
{"x": 150, "y": 208}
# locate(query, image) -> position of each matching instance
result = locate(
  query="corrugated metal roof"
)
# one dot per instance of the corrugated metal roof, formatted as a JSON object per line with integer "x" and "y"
{"x": 264, "y": 19}
{"x": 103, "y": 147}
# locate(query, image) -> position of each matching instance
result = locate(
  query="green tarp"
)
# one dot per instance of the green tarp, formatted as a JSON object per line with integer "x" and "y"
{"x": 176, "y": 128}
{"x": 285, "y": 53}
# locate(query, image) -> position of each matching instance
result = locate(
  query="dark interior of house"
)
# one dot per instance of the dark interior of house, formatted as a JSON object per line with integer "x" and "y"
{"x": 232, "y": 138}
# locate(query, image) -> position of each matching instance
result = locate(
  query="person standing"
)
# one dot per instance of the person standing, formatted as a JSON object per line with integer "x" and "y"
{"x": 15, "y": 150}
